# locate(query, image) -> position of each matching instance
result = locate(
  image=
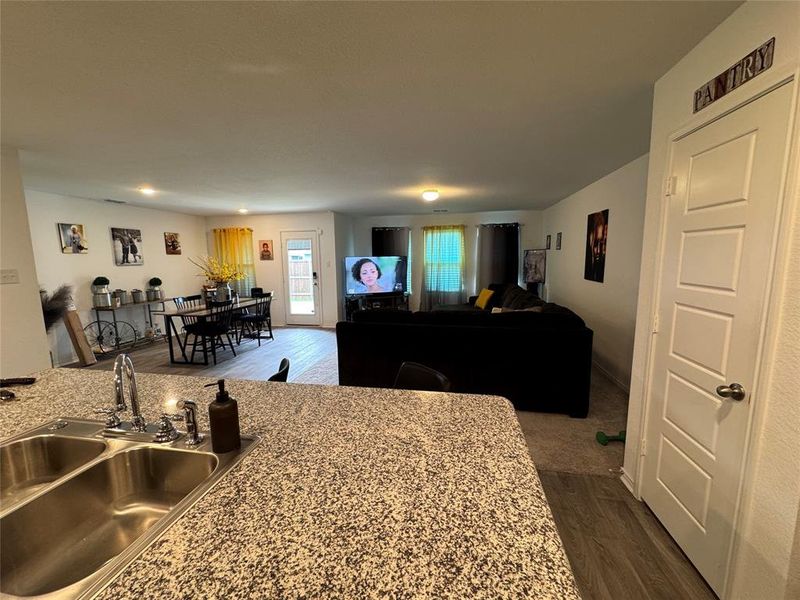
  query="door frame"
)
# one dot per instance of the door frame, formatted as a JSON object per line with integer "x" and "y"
{"x": 778, "y": 259}
{"x": 285, "y": 275}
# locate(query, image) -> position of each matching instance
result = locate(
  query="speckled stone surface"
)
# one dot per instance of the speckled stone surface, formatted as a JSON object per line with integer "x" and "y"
{"x": 353, "y": 493}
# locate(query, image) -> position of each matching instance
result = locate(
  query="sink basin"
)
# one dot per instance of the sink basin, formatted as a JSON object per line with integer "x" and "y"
{"x": 93, "y": 517}
{"x": 91, "y": 505}
{"x": 29, "y": 464}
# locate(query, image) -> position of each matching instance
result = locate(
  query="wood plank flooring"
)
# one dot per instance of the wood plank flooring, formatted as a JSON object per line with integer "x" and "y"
{"x": 616, "y": 546}
{"x": 305, "y": 347}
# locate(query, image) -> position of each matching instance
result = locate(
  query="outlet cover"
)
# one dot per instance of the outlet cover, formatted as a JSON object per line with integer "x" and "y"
{"x": 9, "y": 276}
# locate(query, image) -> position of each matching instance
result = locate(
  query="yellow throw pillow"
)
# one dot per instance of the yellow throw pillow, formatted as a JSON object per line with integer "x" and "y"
{"x": 483, "y": 298}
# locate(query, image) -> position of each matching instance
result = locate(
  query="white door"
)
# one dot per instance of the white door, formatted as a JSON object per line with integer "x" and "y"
{"x": 300, "y": 252}
{"x": 718, "y": 239}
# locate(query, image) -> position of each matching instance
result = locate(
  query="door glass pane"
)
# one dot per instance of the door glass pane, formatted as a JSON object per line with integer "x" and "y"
{"x": 301, "y": 281}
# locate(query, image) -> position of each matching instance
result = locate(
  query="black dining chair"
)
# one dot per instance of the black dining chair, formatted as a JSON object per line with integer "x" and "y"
{"x": 283, "y": 371}
{"x": 256, "y": 291}
{"x": 211, "y": 329}
{"x": 414, "y": 376}
{"x": 258, "y": 319}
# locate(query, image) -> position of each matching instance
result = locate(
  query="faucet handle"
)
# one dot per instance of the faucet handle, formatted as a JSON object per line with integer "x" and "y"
{"x": 166, "y": 430}
{"x": 112, "y": 416}
{"x": 193, "y": 436}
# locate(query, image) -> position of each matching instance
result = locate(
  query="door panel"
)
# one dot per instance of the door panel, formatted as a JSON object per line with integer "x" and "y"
{"x": 718, "y": 237}
{"x": 300, "y": 252}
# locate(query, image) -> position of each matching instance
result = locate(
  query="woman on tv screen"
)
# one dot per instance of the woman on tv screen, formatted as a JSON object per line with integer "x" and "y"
{"x": 367, "y": 272}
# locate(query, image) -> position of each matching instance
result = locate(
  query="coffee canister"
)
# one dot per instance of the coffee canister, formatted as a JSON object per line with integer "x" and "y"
{"x": 137, "y": 295}
{"x": 123, "y": 296}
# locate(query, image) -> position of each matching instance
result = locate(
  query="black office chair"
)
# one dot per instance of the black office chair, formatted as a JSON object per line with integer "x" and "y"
{"x": 283, "y": 371}
{"x": 414, "y": 376}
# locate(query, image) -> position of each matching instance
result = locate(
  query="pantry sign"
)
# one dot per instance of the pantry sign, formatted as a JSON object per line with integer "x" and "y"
{"x": 755, "y": 63}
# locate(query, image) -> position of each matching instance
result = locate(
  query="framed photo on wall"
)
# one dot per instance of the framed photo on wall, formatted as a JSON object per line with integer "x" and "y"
{"x": 172, "y": 242}
{"x": 558, "y": 241}
{"x": 127, "y": 246}
{"x": 596, "y": 237}
{"x": 73, "y": 239}
{"x": 547, "y": 245}
{"x": 533, "y": 266}
{"x": 265, "y": 250}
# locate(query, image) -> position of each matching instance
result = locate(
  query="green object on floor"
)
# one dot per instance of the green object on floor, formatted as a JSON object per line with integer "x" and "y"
{"x": 603, "y": 439}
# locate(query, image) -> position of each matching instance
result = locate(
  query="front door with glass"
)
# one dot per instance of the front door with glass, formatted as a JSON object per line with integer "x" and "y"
{"x": 300, "y": 252}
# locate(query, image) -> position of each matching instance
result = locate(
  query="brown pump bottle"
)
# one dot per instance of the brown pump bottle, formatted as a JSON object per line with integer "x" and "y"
{"x": 223, "y": 414}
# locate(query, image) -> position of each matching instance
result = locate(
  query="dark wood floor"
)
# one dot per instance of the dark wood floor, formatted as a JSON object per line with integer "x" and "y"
{"x": 304, "y": 346}
{"x": 616, "y": 546}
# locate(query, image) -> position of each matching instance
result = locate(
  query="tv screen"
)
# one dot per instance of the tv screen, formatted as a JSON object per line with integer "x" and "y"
{"x": 375, "y": 274}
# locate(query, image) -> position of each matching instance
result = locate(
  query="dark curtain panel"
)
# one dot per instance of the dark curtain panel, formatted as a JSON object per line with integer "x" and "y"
{"x": 498, "y": 254}
{"x": 390, "y": 241}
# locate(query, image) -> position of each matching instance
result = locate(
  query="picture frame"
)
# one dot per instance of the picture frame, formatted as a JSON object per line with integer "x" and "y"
{"x": 172, "y": 243}
{"x": 596, "y": 240}
{"x": 265, "y": 250}
{"x": 73, "y": 238}
{"x": 127, "y": 246}
{"x": 558, "y": 241}
{"x": 534, "y": 265}
{"x": 547, "y": 244}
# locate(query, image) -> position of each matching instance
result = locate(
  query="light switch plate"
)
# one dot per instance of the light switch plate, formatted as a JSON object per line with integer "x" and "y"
{"x": 9, "y": 276}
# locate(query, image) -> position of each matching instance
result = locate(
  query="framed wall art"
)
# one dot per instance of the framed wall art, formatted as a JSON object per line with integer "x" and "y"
{"x": 73, "y": 239}
{"x": 127, "y": 246}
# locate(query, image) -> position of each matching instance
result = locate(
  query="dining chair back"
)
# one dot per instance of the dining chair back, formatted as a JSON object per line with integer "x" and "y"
{"x": 414, "y": 376}
{"x": 283, "y": 371}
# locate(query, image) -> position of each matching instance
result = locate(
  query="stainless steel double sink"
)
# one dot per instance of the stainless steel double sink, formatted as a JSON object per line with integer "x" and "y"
{"x": 76, "y": 506}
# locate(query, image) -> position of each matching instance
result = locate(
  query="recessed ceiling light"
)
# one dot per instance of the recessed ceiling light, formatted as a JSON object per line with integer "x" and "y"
{"x": 243, "y": 211}
{"x": 430, "y": 195}
{"x": 147, "y": 190}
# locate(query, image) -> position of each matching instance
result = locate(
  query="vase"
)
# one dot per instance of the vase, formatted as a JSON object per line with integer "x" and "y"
{"x": 224, "y": 291}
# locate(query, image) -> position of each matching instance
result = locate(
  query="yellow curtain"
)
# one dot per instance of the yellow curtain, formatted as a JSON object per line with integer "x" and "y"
{"x": 234, "y": 245}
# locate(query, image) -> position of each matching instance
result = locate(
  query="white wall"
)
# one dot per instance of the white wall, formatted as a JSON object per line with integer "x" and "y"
{"x": 269, "y": 273}
{"x": 531, "y": 237}
{"x": 771, "y": 494}
{"x": 78, "y": 270}
{"x": 609, "y": 308}
{"x": 345, "y": 246}
{"x": 23, "y": 343}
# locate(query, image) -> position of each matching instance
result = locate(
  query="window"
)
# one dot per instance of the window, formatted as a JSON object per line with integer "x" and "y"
{"x": 234, "y": 245}
{"x": 443, "y": 271}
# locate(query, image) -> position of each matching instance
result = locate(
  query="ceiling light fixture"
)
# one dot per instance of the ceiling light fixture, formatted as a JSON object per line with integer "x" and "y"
{"x": 147, "y": 190}
{"x": 243, "y": 211}
{"x": 430, "y": 195}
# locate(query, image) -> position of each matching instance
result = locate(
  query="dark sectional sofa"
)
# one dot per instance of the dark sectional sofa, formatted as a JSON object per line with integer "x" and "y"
{"x": 538, "y": 360}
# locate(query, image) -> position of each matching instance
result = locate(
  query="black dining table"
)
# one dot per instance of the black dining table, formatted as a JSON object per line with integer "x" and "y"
{"x": 196, "y": 313}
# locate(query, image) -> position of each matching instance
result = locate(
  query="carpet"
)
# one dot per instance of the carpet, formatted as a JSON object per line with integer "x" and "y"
{"x": 323, "y": 372}
{"x": 560, "y": 443}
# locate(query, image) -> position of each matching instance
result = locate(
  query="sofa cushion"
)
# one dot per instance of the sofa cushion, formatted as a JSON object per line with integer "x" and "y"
{"x": 483, "y": 298}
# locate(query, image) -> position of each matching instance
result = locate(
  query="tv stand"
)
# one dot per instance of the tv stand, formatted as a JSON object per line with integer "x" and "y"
{"x": 389, "y": 300}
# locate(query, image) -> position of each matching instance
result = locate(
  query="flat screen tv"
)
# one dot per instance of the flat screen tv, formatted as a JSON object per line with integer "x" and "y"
{"x": 375, "y": 274}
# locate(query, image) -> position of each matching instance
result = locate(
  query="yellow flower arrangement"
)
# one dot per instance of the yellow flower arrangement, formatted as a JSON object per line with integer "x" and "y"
{"x": 215, "y": 270}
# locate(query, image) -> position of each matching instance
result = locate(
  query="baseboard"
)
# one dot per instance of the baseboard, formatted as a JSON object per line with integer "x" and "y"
{"x": 623, "y": 386}
{"x": 628, "y": 482}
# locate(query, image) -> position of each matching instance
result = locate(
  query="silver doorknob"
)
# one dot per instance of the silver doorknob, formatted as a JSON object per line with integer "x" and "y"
{"x": 734, "y": 391}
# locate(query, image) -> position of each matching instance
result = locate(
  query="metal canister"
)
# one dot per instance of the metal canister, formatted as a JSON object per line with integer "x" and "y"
{"x": 101, "y": 299}
{"x": 137, "y": 295}
{"x": 122, "y": 295}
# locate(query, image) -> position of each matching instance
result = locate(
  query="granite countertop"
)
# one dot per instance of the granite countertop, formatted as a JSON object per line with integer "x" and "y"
{"x": 352, "y": 493}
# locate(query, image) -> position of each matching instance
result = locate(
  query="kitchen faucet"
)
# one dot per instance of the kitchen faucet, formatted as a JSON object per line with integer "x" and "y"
{"x": 123, "y": 369}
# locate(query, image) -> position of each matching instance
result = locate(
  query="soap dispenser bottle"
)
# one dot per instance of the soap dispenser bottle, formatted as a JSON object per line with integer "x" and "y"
{"x": 223, "y": 414}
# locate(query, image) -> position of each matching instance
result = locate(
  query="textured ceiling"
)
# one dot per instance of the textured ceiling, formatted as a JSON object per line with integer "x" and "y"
{"x": 354, "y": 107}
